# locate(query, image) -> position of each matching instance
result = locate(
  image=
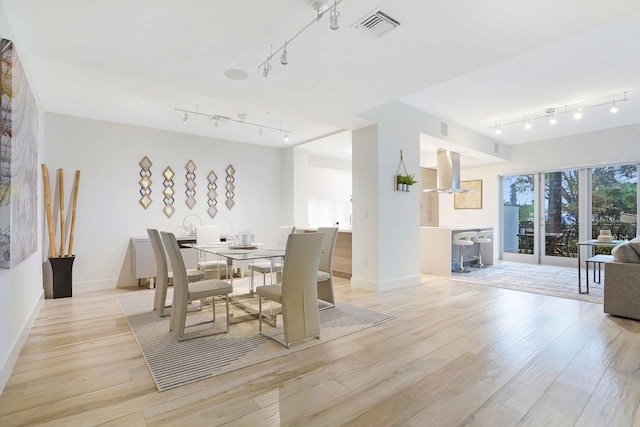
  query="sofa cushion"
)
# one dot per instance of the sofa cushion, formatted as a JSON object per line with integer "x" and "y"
{"x": 625, "y": 253}
{"x": 635, "y": 244}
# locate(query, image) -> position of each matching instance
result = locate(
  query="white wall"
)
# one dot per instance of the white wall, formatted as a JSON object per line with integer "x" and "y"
{"x": 108, "y": 211}
{"x": 21, "y": 286}
{"x": 330, "y": 192}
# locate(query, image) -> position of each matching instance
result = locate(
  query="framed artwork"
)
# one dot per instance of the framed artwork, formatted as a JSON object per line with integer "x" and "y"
{"x": 18, "y": 162}
{"x": 472, "y": 200}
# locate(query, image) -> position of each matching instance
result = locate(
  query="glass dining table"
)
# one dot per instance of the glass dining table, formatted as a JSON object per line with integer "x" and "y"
{"x": 240, "y": 253}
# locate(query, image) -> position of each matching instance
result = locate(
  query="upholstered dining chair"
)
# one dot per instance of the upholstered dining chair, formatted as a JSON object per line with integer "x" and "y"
{"x": 163, "y": 275}
{"x": 325, "y": 269}
{"x": 298, "y": 291}
{"x": 185, "y": 292}
{"x": 206, "y": 235}
{"x": 265, "y": 267}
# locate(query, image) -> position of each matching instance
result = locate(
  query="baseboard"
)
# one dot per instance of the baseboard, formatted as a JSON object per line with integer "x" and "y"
{"x": 5, "y": 371}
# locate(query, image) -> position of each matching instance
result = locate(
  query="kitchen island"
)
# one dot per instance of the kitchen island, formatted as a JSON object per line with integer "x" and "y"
{"x": 438, "y": 256}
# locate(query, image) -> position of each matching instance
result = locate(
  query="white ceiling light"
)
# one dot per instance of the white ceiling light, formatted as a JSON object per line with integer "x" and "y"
{"x": 185, "y": 117}
{"x": 578, "y": 114}
{"x": 614, "y": 108}
{"x": 284, "y": 58}
{"x": 553, "y": 120}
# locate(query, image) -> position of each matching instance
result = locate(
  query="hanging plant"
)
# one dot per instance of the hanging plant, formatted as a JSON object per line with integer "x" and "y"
{"x": 403, "y": 181}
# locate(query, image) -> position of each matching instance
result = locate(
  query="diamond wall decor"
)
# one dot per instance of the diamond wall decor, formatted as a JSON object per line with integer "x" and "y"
{"x": 212, "y": 194}
{"x": 168, "y": 192}
{"x": 230, "y": 187}
{"x": 191, "y": 184}
{"x": 145, "y": 182}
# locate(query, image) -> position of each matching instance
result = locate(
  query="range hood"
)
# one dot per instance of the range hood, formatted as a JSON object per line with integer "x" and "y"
{"x": 448, "y": 173}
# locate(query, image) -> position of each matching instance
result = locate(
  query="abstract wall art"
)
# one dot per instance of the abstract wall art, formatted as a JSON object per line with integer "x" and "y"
{"x": 18, "y": 162}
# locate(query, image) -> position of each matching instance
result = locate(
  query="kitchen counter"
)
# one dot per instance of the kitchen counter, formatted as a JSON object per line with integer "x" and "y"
{"x": 439, "y": 257}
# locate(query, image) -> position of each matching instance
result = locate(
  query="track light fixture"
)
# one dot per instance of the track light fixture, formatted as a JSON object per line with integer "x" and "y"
{"x": 552, "y": 113}
{"x": 218, "y": 119}
{"x": 185, "y": 117}
{"x": 320, "y": 8}
{"x": 334, "y": 17}
{"x": 284, "y": 58}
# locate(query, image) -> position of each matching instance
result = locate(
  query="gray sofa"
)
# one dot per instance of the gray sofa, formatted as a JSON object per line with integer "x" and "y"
{"x": 622, "y": 281}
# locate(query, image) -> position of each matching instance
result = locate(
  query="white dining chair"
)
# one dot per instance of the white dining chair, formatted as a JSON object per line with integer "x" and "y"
{"x": 298, "y": 291}
{"x": 185, "y": 292}
{"x": 163, "y": 275}
{"x": 266, "y": 267}
{"x": 207, "y": 235}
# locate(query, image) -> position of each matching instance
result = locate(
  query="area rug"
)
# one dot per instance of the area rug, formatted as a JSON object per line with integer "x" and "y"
{"x": 551, "y": 280}
{"x": 174, "y": 363}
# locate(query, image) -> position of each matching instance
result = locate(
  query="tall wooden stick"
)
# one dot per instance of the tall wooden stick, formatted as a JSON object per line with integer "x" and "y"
{"x": 73, "y": 213}
{"x": 49, "y": 212}
{"x": 63, "y": 235}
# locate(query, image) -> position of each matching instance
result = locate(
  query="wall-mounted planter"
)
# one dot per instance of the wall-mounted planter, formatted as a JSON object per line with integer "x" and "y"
{"x": 403, "y": 182}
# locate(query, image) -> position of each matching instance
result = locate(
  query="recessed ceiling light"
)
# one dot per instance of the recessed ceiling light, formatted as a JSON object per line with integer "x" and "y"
{"x": 234, "y": 74}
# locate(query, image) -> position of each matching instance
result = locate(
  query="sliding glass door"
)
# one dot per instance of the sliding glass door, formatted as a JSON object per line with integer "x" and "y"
{"x": 542, "y": 212}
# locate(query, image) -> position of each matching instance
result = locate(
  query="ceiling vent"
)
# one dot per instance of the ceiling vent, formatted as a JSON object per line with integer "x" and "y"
{"x": 378, "y": 23}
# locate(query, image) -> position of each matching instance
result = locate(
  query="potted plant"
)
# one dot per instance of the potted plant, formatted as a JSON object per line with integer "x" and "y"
{"x": 403, "y": 182}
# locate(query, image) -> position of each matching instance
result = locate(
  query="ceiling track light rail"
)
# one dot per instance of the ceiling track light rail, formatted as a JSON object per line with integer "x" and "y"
{"x": 334, "y": 24}
{"x": 218, "y": 118}
{"x": 551, "y": 114}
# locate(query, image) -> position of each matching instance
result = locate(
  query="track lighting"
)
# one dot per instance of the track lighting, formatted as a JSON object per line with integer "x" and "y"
{"x": 218, "y": 119}
{"x": 551, "y": 114}
{"x": 333, "y": 18}
{"x": 320, "y": 8}
{"x": 284, "y": 60}
{"x": 267, "y": 67}
{"x": 614, "y": 108}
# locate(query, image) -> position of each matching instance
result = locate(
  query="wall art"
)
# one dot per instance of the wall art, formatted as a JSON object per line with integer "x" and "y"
{"x": 230, "y": 186}
{"x": 471, "y": 200}
{"x": 191, "y": 184}
{"x": 212, "y": 194}
{"x": 145, "y": 182}
{"x": 168, "y": 192}
{"x": 18, "y": 161}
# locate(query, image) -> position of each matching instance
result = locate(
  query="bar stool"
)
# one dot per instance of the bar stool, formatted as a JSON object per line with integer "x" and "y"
{"x": 463, "y": 239}
{"x": 481, "y": 238}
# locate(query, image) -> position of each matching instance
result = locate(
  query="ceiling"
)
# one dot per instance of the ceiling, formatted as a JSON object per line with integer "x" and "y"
{"x": 470, "y": 63}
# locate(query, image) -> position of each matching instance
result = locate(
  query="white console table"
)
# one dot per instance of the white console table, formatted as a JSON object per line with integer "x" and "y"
{"x": 437, "y": 254}
{"x": 143, "y": 263}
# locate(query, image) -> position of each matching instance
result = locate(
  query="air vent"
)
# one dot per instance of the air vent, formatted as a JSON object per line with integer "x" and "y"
{"x": 378, "y": 24}
{"x": 444, "y": 129}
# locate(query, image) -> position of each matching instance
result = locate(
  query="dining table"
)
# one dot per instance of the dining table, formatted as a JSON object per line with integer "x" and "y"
{"x": 233, "y": 253}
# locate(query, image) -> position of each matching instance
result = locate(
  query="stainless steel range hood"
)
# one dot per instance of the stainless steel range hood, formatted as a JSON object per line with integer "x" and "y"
{"x": 448, "y": 173}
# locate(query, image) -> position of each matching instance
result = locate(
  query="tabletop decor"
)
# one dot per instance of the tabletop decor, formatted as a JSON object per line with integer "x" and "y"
{"x": 471, "y": 199}
{"x": 145, "y": 182}
{"x": 18, "y": 162}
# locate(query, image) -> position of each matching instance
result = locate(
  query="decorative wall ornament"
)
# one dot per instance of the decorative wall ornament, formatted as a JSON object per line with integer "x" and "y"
{"x": 191, "y": 184}
{"x": 18, "y": 162}
{"x": 145, "y": 182}
{"x": 470, "y": 200}
{"x": 212, "y": 194}
{"x": 230, "y": 187}
{"x": 168, "y": 192}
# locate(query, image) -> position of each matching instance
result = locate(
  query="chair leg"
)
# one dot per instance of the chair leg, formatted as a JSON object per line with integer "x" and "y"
{"x": 251, "y": 281}
{"x": 259, "y": 313}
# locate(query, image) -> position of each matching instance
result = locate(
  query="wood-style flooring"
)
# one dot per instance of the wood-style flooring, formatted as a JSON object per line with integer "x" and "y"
{"x": 455, "y": 354}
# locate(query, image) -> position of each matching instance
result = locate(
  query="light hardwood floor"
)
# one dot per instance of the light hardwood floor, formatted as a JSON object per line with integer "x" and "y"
{"x": 455, "y": 354}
